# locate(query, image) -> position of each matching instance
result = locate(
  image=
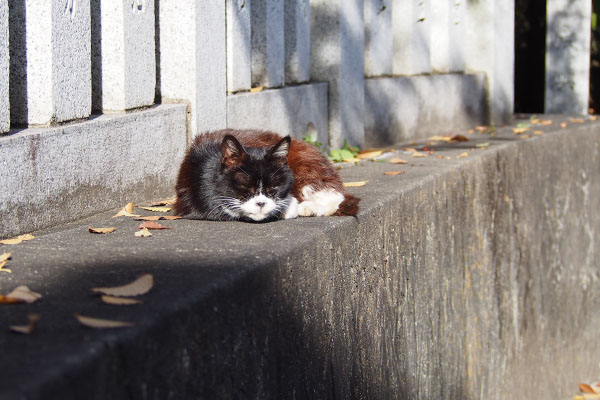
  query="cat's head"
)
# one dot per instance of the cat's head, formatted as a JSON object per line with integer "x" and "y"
{"x": 254, "y": 183}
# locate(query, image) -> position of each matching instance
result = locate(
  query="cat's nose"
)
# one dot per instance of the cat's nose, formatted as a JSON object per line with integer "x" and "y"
{"x": 260, "y": 204}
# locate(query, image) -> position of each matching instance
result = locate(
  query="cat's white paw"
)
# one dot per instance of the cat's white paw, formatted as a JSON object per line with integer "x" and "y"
{"x": 292, "y": 210}
{"x": 319, "y": 203}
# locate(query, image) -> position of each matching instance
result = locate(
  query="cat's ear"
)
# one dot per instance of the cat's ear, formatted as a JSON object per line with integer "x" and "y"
{"x": 281, "y": 150}
{"x": 232, "y": 152}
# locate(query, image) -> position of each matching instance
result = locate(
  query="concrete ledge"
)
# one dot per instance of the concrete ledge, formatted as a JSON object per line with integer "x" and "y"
{"x": 287, "y": 110}
{"x": 54, "y": 175}
{"x": 402, "y": 108}
{"x": 458, "y": 280}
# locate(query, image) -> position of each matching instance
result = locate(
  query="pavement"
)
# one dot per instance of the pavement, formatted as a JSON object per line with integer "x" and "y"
{"x": 427, "y": 293}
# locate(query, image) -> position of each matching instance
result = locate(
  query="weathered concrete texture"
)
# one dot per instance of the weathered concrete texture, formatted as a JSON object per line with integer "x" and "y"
{"x": 469, "y": 278}
{"x": 337, "y": 56}
{"x": 193, "y": 70}
{"x": 49, "y": 41}
{"x": 4, "y": 72}
{"x": 297, "y": 41}
{"x": 239, "y": 45}
{"x": 412, "y": 37}
{"x": 268, "y": 51}
{"x": 490, "y": 49}
{"x": 288, "y": 111}
{"x": 403, "y": 108}
{"x": 124, "y": 69}
{"x": 568, "y": 56}
{"x": 51, "y": 176}
{"x": 379, "y": 38}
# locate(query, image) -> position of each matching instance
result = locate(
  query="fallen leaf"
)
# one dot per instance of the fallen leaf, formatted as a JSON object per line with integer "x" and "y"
{"x": 120, "y": 301}
{"x": 593, "y": 117}
{"x": 355, "y": 184}
{"x": 546, "y": 122}
{"x": 158, "y": 217}
{"x": 101, "y": 230}
{"x": 3, "y": 260}
{"x": 460, "y": 138}
{"x": 141, "y": 285}
{"x": 585, "y": 388}
{"x": 470, "y": 131}
{"x": 486, "y": 144}
{"x": 155, "y": 209}
{"x": 441, "y": 138}
{"x": 126, "y": 211}
{"x": 461, "y": 155}
{"x": 168, "y": 202}
{"x": 18, "y": 239}
{"x": 518, "y": 131}
{"x": 397, "y": 160}
{"x": 394, "y": 172}
{"x": 577, "y": 120}
{"x": 27, "y": 329}
{"x": 369, "y": 155}
{"x": 538, "y": 132}
{"x": 152, "y": 225}
{"x": 143, "y": 233}
{"x": 417, "y": 154}
{"x": 482, "y": 129}
{"x": 563, "y": 125}
{"x": 535, "y": 120}
{"x": 21, "y": 294}
{"x": 257, "y": 89}
{"x": 101, "y": 323}
{"x": 440, "y": 157}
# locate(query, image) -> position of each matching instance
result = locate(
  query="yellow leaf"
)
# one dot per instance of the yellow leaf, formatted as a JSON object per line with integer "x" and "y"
{"x": 18, "y": 239}
{"x": 355, "y": 184}
{"x": 461, "y": 155}
{"x": 126, "y": 211}
{"x": 563, "y": 125}
{"x": 143, "y": 233}
{"x": 27, "y": 329}
{"x": 394, "y": 172}
{"x": 257, "y": 89}
{"x": 417, "y": 154}
{"x": 397, "y": 160}
{"x": 101, "y": 230}
{"x": 141, "y": 285}
{"x": 440, "y": 138}
{"x": 538, "y": 132}
{"x": 156, "y": 209}
{"x": 577, "y": 120}
{"x": 546, "y": 122}
{"x": 518, "y": 131}
{"x": 120, "y": 301}
{"x": 101, "y": 323}
{"x": 593, "y": 117}
{"x": 353, "y": 159}
{"x": 410, "y": 150}
{"x": 369, "y": 155}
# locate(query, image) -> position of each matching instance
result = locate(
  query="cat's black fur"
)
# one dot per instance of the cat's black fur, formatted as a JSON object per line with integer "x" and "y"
{"x": 218, "y": 177}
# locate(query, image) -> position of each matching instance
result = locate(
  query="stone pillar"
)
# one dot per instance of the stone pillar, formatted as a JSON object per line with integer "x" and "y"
{"x": 379, "y": 42}
{"x": 412, "y": 37}
{"x": 191, "y": 59}
{"x": 50, "y": 78}
{"x": 297, "y": 41}
{"x": 448, "y": 35}
{"x": 490, "y": 49}
{"x": 568, "y": 56}
{"x": 457, "y": 36}
{"x": 4, "y": 71}
{"x": 268, "y": 51}
{"x": 337, "y": 57}
{"x": 239, "y": 45}
{"x": 123, "y": 54}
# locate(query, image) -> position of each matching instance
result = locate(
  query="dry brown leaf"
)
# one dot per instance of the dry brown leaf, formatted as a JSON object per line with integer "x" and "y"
{"x": 101, "y": 323}
{"x": 538, "y": 132}
{"x": 440, "y": 157}
{"x": 525, "y": 136}
{"x": 482, "y": 129}
{"x": 3, "y": 260}
{"x": 394, "y": 172}
{"x": 158, "y": 217}
{"x": 577, "y": 120}
{"x": 518, "y": 131}
{"x": 460, "y": 138}
{"x": 120, "y": 301}
{"x": 27, "y": 329}
{"x": 563, "y": 125}
{"x": 417, "y": 154}
{"x": 369, "y": 155}
{"x": 585, "y": 388}
{"x": 141, "y": 285}
{"x": 470, "y": 132}
{"x": 355, "y": 184}
{"x": 168, "y": 202}
{"x": 257, "y": 89}
{"x": 126, "y": 211}
{"x": 18, "y": 239}
{"x": 155, "y": 209}
{"x": 22, "y": 294}
{"x": 143, "y": 233}
{"x": 593, "y": 117}
{"x": 397, "y": 160}
{"x": 101, "y": 230}
{"x": 535, "y": 121}
{"x": 440, "y": 138}
{"x": 410, "y": 149}
{"x": 461, "y": 155}
{"x": 152, "y": 225}
{"x": 546, "y": 122}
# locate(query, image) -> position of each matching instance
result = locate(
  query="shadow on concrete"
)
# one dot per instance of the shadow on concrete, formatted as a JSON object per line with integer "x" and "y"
{"x": 18, "y": 91}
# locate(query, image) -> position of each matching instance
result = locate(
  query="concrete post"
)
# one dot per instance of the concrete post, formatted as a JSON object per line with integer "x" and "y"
{"x": 4, "y": 71}
{"x": 457, "y": 37}
{"x": 379, "y": 42}
{"x": 239, "y": 45}
{"x": 568, "y": 56}
{"x": 192, "y": 59}
{"x": 50, "y": 75}
{"x": 337, "y": 56}
{"x": 123, "y": 60}
{"x": 448, "y": 35}
{"x": 412, "y": 37}
{"x": 268, "y": 51}
{"x": 297, "y": 41}
{"x": 490, "y": 34}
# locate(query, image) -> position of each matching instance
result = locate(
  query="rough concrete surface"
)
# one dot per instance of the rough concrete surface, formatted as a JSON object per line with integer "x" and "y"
{"x": 473, "y": 277}
{"x": 51, "y": 176}
{"x": 4, "y": 64}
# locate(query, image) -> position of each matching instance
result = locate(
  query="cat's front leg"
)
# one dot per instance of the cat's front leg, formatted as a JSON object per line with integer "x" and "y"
{"x": 292, "y": 209}
{"x": 319, "y": 203}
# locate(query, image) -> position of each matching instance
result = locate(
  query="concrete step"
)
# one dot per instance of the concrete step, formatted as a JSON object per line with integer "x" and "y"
{"x": 470, "y": 276}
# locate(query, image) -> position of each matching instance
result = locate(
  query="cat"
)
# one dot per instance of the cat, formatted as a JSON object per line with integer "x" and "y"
{"x": 258, "y": 176}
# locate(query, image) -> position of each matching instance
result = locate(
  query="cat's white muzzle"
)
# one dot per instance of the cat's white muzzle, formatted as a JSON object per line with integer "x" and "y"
{"x": 258, "y": 207}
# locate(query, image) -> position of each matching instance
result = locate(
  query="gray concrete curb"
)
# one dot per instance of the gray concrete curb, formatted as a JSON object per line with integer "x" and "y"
{"x": 469, "y": 277}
